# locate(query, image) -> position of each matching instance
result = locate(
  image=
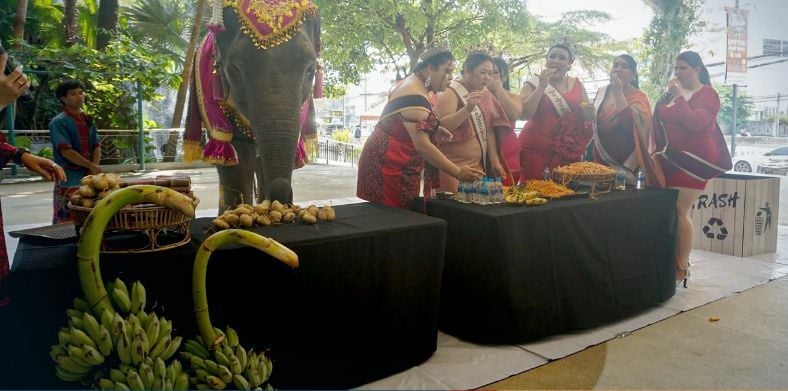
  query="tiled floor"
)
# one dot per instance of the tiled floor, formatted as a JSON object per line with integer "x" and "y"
{"x": 673, "y": 346}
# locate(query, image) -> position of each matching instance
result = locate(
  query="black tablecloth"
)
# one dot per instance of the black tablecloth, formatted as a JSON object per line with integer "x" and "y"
{"x": 516, "y": 274}
{"x": 362, "y": 305}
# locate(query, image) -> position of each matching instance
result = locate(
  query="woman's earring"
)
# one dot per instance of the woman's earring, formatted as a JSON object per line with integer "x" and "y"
{"x": 428, "y": 82}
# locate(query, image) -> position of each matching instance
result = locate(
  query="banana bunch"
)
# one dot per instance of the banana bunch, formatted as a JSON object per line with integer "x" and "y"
{"x": 81, "y": 346}
{"x": 225, "y": 363}
{"x": 516, "y": 195}
{"x": 140, "y": 340}
{"x": 150, "y": 374}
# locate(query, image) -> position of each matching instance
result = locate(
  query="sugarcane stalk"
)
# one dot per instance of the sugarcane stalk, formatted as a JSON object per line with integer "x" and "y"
{"x": 89, "y": 244}
{"x": 208, "y": 246}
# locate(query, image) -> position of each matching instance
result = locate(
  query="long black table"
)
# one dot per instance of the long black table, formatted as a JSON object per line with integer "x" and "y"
{"x": 362, "y": 305}
{"x": 515, "y": 274}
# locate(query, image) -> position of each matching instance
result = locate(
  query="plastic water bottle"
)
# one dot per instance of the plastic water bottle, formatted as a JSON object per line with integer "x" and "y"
{"x": 546, "y": 173}
{"x": 621, "y": 180}
{"x": 498, "y": 190}
{"x": 641, "y": 180}
{"x": 476, "y": 192}
{"x": 484, "y": 191}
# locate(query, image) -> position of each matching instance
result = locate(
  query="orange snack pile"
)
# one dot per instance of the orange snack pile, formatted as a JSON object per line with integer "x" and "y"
{"x": 548, "y": 188}
{"x": 584, "y": 168}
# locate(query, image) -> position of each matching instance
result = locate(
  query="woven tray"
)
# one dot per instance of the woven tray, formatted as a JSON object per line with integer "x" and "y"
{"x": 562, "y": 177}
{"x": 134, "y": 217}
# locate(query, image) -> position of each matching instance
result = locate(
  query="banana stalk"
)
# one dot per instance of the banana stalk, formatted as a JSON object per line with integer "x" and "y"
{"x": 212, "y": 243}
{"x": 90, "y": 241}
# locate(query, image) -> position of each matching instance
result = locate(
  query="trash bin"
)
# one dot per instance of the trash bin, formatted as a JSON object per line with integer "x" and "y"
{"x": 737, "y": 215}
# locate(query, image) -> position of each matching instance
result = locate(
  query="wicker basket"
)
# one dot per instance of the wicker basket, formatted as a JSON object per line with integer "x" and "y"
{"x": 594, "y": 184}
{"x": 150, "y": 220}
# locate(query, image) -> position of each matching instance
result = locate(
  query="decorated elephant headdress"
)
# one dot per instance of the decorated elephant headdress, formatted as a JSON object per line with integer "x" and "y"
{"x": 268, "y": 23}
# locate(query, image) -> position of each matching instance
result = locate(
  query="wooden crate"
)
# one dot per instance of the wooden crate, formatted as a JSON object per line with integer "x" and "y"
{"x": 737, "y": 215}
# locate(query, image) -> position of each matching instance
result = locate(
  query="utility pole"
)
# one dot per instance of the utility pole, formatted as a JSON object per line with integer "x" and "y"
{"x": 777, "y": 117}
{"x": 733, "y": 126}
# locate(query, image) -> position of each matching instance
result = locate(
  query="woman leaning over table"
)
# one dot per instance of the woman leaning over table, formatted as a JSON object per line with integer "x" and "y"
{"x": 393, "y": 157}
{"x": 559, "y": 116}
{"x": 690, "y": 147}
{"x": 476, "y": 120}
{"x": 623, "y": 136}
{"x": 12, "y": 86}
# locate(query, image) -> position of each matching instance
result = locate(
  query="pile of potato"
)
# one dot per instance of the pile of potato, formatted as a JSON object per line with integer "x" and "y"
{"x": 94, "y": 188}
{"x": 272, "y": 212}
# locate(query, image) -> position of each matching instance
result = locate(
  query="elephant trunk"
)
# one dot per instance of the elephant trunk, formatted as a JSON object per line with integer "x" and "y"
{"x": 277, "y": 141}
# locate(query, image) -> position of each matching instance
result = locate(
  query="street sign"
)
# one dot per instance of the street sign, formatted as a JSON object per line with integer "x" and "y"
{"x": 736, "y": 55}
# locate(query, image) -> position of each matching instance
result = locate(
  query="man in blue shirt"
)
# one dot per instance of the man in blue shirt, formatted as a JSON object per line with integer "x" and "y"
{"x": 75, "y": 144}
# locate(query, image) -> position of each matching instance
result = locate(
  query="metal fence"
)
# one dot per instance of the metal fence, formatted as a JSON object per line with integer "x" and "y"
{"x": 117, "y": 146}
{"x": 327, "y": 151}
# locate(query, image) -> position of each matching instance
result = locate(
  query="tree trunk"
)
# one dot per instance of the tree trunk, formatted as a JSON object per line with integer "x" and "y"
{"x": 70, "y": 20}
{"x": 180, "y": 99}
{"x": 19, "y": 22}
{"x": 107, "y": 22}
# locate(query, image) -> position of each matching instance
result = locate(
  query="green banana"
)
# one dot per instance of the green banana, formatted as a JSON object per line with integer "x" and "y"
{"x": 157, "y": 384}
{"x": 135, "y": 381}
{"x": 146, "y": 373}
{"x": 63, "y": 336}
{"x": 105, "y": 341}
{"x": 117, "y": 375}
{"x": 224, "y": 373}
{"x": 181, "y": 382}
{"x": 81, "y": 305}
{"x": 196, "y": 362}
{"x": 139, "y": 333}
{"x": 143, "y": 316}
{"x": 91, "y": 355}
{"x": 72, "y": 366}
{"x": 241, "y": 382}
{"x": 169, "y": 384}
{"x": 232, "y": 337}
{"x": 121, "y": 300}
{"x": 75, "y": 321}
{"x": 212, "y": 367}
{"x": 66, "y": 375}
{"x": 77, "y": 354}
{"x": 79, "y": 337}
{"x": 57, "y": 350}
{"x": 221, "y": 358}
{"x": 106, "y": 321}
{"x": 174, "y": 345}
{"x": 235, "y": 363}
{"x": 152, "y": 328}
{"x": 106, "y": 384}
{"x": 91, "y": 327}
{"x": 165, "y": 328}
{"x": 196, "y": 349}
{"x": 159, "y": 367}
{"x": 160, "y": 347}
{"x": 137, "y": 354}
{"x": 121, "y": 387}
{"x": 71, "y": 312}
{"x": 240, "y": 352}
{"x": 215, "y": 383}
{"x": 123, "y": 347}
{"x": 138, "y": 297}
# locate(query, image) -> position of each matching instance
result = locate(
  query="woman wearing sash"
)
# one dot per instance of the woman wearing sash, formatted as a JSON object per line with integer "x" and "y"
{"x": 393, "y": 157}
{"x": 559, "y": 117}
{"x": 513, "y": 106}
{"x": 690, "y": 147}
{"x": 623, "y": 132}
{"x": 476, "y": 120}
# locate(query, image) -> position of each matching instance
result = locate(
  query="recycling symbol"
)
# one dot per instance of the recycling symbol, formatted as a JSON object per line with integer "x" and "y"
{"x": 715, "y": 224}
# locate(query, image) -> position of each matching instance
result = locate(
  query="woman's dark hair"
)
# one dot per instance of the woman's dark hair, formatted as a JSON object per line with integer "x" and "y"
{"x": 66, "y": 86}
{"x": 693, "y": 59}
{"x": 435, "y": 61}
{"x": 633, "y": 66}
{"x": 503, "y": 68}
{"x": 565, "y": 47}
{"x": 474, "y": 60}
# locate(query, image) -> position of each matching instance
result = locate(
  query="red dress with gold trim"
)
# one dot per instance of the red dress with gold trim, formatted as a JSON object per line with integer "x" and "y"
{"x": 389, "y": 169}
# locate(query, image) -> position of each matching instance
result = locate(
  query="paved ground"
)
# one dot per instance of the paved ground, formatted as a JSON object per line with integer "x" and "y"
{"x": 29, "y": 200}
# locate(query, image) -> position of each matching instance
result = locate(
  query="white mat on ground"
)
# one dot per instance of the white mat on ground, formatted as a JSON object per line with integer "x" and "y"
{"x": 462, "y": 365}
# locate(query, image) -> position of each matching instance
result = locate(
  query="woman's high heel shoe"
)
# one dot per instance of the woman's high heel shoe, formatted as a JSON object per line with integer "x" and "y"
{"x": 686, "y": 273}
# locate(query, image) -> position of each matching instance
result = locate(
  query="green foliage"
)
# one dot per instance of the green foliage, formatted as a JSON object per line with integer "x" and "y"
{"x": 46, "y": 153}
{"x": 674, "y": 22}
{"x": 23, "y": 142}
{"x": 360, "y": 35}
{"x": 110, "y": 78}
{"x": 342, "y": 136}
{"x": 161, "y": 24}
{"x": 43, "y": 23}
{"x": 744, "y": 107}
{"x": 783, "y": 119}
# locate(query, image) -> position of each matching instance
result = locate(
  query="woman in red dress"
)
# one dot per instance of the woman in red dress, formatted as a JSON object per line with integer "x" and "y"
{"x": 559, "y": 117}
{"x": 393, "y": 157}
{"x": 11, "y": 87}
{"x": 623, "y": 134}
{"x": 513, "y": 106}
{"x": 477, "y": 121}
{"x": 689, "y": 144}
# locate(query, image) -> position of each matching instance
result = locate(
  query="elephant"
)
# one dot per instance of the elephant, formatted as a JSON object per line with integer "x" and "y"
{"x": 264, "y": 85}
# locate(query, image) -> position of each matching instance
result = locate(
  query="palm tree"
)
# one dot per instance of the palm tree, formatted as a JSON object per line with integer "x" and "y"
{"x": 19, "y": 22}
{"x": 71, "y": 19}
{"x": 107, "y": 22}
{"x": 162, "y": 24}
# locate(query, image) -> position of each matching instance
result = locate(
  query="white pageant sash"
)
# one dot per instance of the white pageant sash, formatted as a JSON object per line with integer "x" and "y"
{"x": 561, "y": 107}
{"x": 477, "y": 119}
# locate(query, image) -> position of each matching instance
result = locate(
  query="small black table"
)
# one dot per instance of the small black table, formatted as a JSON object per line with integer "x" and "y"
{"x": 362, "y": 305}
{"x": 516, "y": 274}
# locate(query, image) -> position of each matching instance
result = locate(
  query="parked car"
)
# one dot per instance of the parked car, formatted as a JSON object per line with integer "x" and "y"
{"x": 774, "y": 162}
